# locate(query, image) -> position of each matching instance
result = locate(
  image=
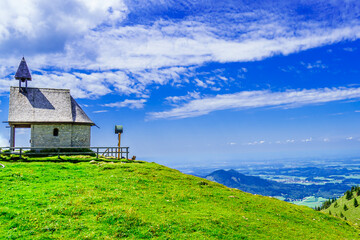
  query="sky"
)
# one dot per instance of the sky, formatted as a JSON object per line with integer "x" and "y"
{"x": 196, "y": 82}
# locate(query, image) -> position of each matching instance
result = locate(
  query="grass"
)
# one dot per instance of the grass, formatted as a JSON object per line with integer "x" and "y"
{"x": 63, "y": 158}
{"x": 352, "y": 213}
{"x": 135, "y": 200}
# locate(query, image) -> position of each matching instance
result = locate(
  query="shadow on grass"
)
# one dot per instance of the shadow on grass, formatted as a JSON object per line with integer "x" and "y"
{"x": 55, "y": 159}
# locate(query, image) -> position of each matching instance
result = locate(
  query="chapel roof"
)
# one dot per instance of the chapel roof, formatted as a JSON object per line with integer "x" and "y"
{"x": 45, "y": 105}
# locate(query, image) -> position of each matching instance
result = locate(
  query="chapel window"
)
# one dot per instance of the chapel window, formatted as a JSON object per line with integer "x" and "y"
{"x": 56, "y": 132}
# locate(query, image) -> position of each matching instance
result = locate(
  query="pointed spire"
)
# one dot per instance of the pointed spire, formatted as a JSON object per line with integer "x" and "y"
{"x": 23, "y": 72}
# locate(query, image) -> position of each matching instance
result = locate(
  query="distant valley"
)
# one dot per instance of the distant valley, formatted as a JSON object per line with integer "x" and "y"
{"x": 304, "y": 183}
{"x": 287, "y": 191}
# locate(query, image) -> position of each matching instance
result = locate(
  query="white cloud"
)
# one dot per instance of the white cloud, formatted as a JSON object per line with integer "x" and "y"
{"x": 147, "y": 47}
{"x": 3, "y": 141}
{"x": 349, "y": 49}
{"x": 317, "y": 65}
{"x": 349, "y": 138}
{"x": 95, "y": 84}
{"x": 128, "y": 55}
{"x": 256, "y": 142}
{"x": 86, "y": 43}
{"x": 337, "y": 114}
{"x": 307, "y": 140}
{"x": 128, "y": 103}
{"x": 83, "y": 85}
{"x": 100, "y": 111}
{"x": 200, "y": 83}
{"x": 22, "y": 131}
{"x": 34, "y": 21}
{"x": 290, "y": 141}
{"x": 177, "y": 99}
{"x": 326, "y": 140}
{"x": 4, "y": 85}
{"x": 215, "y": 89}
{"x": 257, "y": 99}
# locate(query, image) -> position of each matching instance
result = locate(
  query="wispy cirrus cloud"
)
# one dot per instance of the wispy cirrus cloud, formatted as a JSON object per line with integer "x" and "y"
{"x": 307, "y": 140}
{"x": 100, "y": 111}
{"x": 256, "y": 142}
{"x": 257, "y": 99}
{"x": 86, "y": 85}
{"x": 151, "y": 47}
{"x": 317, "y": 65}
{"x": 177, "y": 99}
{"x": 132, "y": 104}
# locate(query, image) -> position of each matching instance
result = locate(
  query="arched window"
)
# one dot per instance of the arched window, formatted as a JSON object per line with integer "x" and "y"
{"x": 56, "y": 132}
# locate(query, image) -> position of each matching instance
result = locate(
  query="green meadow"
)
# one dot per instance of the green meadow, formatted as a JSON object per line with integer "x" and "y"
{"x": 136, "y": 200}
{"x": 346, "y": 207}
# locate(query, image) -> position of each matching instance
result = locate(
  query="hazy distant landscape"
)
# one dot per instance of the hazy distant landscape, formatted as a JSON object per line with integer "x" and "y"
{"x": 307, "y": 183}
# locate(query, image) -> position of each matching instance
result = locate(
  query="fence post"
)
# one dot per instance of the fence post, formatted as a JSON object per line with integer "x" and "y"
{"x": 127, "y": 153}
{"x": 58, "y": 150}
{"x": 20, "y": 152}
{"x": 97, "y": 153}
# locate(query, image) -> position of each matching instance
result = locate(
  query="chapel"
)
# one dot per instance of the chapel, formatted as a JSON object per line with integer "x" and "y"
{"x": 53, "y": 115}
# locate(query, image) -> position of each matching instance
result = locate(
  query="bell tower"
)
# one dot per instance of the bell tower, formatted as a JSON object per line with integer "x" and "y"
{"x": 23, "y": 75}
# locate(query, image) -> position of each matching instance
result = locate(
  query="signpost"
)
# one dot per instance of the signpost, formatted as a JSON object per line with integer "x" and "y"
{"x": 119, "y": 130}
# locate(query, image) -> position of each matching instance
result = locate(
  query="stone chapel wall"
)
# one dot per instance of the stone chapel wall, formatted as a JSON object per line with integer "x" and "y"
{"x": 69, "y": 135}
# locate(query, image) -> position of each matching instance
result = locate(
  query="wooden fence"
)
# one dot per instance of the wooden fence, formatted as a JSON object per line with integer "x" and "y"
{"x": 107, "y": 152}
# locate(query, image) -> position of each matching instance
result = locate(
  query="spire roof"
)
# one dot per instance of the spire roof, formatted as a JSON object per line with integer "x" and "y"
{"x": 23, "y": 72}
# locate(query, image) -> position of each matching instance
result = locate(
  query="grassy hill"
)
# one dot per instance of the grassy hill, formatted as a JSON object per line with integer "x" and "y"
{"x": 49, "y": 200}
{"x": 352, "y": 211}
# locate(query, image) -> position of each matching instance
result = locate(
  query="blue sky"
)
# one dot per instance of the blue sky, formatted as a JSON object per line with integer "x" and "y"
{"x": 196, "y": 82}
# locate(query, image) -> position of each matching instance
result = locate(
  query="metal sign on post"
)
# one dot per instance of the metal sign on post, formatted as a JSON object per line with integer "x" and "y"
{"x": 119, "y": 130}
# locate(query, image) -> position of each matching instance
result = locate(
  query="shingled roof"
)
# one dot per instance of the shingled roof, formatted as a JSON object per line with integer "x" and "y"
{"x": 23, "y": 72}
{"x": 45, "y": 105}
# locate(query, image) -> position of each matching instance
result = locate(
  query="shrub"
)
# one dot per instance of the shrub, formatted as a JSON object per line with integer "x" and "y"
{"x": 202, "y": 183}
{"x": 325, "y": 204}
{"x": 63, "y": 151}
{"x": 356, "y": 204}
{"x": 345, "y": 207}
{"x": 349, "y": 195}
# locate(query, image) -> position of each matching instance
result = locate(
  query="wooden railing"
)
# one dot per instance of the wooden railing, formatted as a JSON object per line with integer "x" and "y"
{"x": 107, "y": 152}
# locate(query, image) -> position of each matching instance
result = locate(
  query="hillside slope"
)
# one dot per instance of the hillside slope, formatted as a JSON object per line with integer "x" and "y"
{"x": 145, "y": 200}
{"x": 352, "y": 210}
